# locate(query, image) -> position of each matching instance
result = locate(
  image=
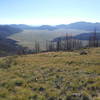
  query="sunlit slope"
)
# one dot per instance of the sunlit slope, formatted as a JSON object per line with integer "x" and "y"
{"x": 27, "y": 37}
{"x": 51, "y": 76}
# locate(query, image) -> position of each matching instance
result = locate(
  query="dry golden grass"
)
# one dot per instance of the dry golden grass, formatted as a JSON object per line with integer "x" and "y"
{"x": 51, "y": 76}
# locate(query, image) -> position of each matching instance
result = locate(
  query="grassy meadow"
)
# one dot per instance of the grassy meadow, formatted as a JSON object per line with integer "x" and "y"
{"x": 51, "y": 76}
{"x": 27, "y": 38}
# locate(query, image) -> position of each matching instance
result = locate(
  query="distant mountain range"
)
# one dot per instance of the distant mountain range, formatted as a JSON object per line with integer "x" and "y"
{"x": 78, "y": 25}
{"x": 6, "y": 30}
{"x": 84, "y": 36}
{"x": 86, "y": 26}
{"x": 9, "y": 46}
{"x": 81, "y": 25}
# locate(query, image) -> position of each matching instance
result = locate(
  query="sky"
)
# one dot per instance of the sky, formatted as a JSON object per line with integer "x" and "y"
{"x": 48, "y": 12}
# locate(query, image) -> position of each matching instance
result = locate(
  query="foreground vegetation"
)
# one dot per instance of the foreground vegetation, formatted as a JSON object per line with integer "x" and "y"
{"x": 51, "y": 76}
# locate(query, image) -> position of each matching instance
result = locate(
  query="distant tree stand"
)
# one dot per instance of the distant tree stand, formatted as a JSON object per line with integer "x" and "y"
{"x": 93, "y": 39}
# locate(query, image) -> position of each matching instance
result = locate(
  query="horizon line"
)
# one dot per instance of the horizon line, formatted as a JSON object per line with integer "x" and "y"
{"x": 50, "y": 24}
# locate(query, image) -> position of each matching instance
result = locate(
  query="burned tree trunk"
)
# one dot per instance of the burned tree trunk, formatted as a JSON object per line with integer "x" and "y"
{"x": 37, "y": 47}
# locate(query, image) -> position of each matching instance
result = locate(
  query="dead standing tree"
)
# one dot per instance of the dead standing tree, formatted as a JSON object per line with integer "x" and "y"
{"x": 47, "y": 45}
{"x": 37, "y": 47}
{"x": 93, "y": 39}
{"x": 51, "y": 46}
{"x": 58, "y": 45}
{"x": 66, "y": 42}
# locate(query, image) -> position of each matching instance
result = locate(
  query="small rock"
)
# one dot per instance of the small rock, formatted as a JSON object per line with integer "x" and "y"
{"x": 83, "y": 53}
{"x": 41, "y": 89}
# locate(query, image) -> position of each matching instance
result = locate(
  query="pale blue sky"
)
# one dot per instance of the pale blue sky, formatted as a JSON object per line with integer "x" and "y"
{"x": 52, "y": 12}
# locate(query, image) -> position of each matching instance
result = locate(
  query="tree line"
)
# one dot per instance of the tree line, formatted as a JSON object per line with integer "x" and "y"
{"x": 66, "y": 44}
{"x": 94, "y": 40}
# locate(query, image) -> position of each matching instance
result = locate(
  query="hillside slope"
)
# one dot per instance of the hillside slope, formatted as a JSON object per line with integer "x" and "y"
{"x": 51, "y": 76}
{"x": 8, "y": 46}
{"x": 6, "y": 30}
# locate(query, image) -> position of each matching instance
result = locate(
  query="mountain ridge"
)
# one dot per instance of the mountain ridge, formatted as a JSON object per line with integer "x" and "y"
{"x": 77, "y": 25}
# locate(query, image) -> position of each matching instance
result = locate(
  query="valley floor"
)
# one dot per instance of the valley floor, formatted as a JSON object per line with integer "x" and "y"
{"x": 51, "y": 76}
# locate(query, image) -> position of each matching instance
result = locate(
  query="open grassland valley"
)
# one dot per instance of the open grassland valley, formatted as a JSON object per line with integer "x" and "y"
{"x": 51, "y": 76}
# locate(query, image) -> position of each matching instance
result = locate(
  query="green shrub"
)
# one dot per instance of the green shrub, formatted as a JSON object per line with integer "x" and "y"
{"x": 7, "y": 62}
